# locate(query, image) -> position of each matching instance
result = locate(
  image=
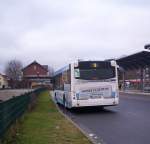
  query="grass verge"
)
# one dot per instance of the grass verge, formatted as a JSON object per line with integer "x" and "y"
{"x": 45, "y": 125}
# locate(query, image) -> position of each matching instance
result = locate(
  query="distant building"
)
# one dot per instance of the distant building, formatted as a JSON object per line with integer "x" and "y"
{"x": 36, "y": 75}
{"x": 3, "y": 81}
{"x": 132, "y": 79}
{"x": 134, "y": 71}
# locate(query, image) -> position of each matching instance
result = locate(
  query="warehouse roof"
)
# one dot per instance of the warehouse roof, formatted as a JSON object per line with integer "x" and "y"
{"x": 135, "y": 61}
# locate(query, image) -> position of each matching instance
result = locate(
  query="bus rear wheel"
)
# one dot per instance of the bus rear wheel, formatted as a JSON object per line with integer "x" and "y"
{"x": 55, "y": 98}
{"x": 64, "y": 102}
{"x": 101, "y": 107}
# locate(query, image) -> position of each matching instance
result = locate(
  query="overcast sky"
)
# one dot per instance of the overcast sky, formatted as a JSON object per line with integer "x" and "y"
{"x": 56, "y": 32}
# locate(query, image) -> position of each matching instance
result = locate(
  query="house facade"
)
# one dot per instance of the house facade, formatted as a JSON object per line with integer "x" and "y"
{"x": 36, "y": 75}
{"x": 3, "y": 81}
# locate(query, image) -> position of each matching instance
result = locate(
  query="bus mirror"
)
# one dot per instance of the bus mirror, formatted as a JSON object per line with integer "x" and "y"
{"x": 113, "y": 63}
{"x": 76, "y": 64}
{"x": 76, "y": 73}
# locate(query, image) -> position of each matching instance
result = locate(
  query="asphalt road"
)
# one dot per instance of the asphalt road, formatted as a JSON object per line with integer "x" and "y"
{"x": 127, "y": 123}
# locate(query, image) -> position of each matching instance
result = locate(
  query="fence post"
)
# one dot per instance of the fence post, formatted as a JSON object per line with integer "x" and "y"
{"x": 1, "y": 120}
{"x": 14, "y": 108}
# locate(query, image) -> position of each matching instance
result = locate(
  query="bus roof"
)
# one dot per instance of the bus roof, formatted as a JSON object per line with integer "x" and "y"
{"x": 61, "y": 70}
{"x": 81, "y": 62}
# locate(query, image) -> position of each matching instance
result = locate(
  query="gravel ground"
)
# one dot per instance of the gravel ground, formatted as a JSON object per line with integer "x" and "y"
{"x": 7, "y": 94}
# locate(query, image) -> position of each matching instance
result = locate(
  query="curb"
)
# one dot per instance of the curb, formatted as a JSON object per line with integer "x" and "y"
{"x": 93, "y": 141}
{"x": 135, "y": 93}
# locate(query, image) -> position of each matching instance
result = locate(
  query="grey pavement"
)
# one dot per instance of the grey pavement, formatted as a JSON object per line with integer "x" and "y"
{"x": 7, "y": 94}
{"x": 137, "y": 92}
{"x": 127, "y": 123}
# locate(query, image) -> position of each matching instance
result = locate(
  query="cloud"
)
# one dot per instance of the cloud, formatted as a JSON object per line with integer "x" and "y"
{"x": 58, "y": 32}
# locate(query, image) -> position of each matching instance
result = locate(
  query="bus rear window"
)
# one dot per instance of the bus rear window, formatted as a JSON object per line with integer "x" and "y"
{"x": 95, "y": 74}
{"x": 94, "y": 71}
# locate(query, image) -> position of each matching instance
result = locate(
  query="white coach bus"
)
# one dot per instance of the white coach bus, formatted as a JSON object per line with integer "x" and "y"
{"x": 87, "y": 83}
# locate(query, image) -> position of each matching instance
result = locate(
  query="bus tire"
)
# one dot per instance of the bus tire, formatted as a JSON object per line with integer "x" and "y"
{"x": 101, "y": 108}
{"x": 55, "y": 98}
{"x": 64, "y": 101}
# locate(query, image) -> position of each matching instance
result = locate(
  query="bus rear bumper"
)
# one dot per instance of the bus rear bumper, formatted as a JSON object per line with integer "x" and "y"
{"x": 95, "y": 102}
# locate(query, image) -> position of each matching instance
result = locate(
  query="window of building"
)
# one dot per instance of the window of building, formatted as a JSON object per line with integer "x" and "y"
{"x": 35, "y": 67}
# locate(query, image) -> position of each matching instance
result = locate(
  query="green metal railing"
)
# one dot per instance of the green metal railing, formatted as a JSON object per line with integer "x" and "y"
{"x": 14, "y": 108}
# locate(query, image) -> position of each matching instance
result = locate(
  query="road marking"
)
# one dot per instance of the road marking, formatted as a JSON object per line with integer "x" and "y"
{"x": 91, "y": 135}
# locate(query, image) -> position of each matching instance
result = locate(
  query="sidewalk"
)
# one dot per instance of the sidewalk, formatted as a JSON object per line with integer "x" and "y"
{"x": 138, "y": 92}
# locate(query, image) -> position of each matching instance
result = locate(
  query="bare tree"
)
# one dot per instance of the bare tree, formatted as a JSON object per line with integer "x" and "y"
{"x": 13, "y": 70}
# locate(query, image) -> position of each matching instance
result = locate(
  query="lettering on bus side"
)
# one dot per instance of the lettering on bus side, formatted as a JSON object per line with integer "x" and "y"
{"x": 95, "y": 90}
